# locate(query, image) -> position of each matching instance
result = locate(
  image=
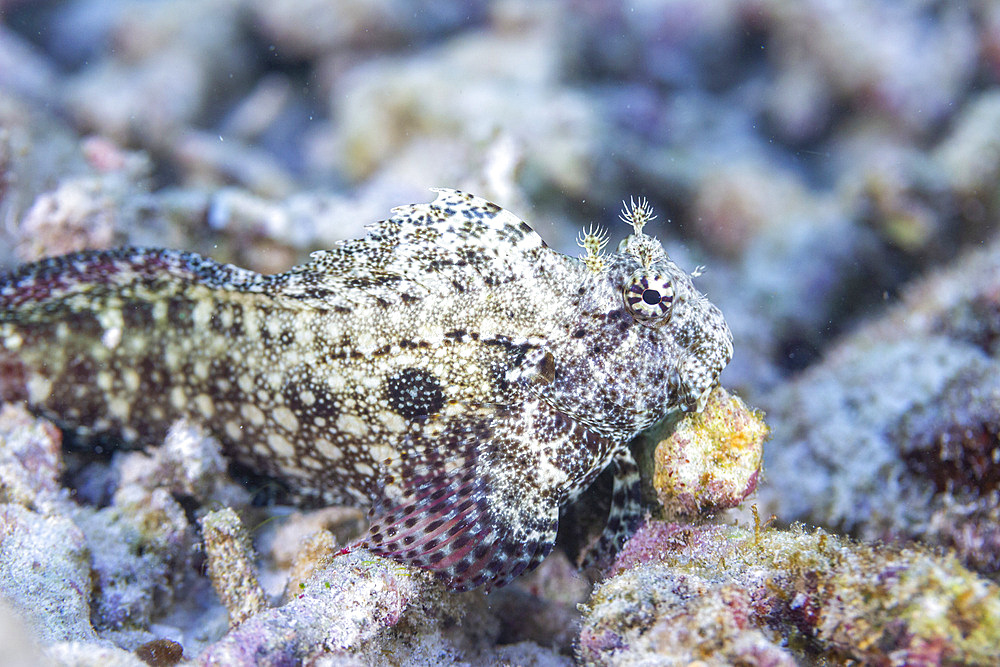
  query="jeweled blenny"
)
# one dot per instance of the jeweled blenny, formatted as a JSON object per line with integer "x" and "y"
{"x": 449, "y": 369}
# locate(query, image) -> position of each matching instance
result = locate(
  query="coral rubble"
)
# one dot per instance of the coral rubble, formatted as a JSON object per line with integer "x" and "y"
{"x": 764, "y": 596}
{"x": 894, "y": 434}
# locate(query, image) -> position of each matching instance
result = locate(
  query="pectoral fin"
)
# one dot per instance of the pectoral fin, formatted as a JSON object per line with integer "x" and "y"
{"x": 444, "y": 508}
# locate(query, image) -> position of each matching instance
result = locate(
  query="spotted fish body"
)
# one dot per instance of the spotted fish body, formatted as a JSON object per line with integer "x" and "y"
{"x": 449, "y": 370}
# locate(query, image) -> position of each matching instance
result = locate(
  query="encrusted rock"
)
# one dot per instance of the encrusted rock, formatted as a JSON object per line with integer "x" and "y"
{"x": 719, "y": 593}
{"x": 711, "y": 461}
{"x": 30, "y": 459}
{"x": 230, "y": 565}
{"x": 45, "y": 574}
{"x": 894, "y": 434}
{"x": 140, "y": 549}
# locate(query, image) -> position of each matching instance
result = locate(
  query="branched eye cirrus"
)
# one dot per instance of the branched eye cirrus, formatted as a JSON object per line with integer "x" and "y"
{"x": 649, "y": 296}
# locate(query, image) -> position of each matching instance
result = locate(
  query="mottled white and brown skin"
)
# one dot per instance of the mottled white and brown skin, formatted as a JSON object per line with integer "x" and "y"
{"x": 448, "y": 370}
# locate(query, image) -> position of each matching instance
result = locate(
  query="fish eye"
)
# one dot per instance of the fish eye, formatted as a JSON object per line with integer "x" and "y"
{"x": 649, "y": 296}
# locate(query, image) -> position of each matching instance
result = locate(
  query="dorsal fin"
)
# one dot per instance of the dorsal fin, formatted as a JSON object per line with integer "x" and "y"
{"x": 458, "y": 242}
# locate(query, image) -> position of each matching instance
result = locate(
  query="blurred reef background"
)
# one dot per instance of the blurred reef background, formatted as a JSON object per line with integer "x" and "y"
{"x": 835, "y": 164}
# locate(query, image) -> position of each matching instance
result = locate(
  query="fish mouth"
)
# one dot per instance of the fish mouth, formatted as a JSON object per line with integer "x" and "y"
{"x": 693, "y": 394}
{"x": 695, "y": 403}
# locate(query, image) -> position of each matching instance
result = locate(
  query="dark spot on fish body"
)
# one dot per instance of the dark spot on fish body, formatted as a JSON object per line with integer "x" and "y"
{"x": 377, "y": 280}
{"x": 154, "y": 380}
{"x": 179, "y": 314}
{"x": 310, "y": 401}
{"x": 223, "y": 376}
{"x": 385, "y": 280}
{"x": 413, "y": 392}
{"x": 138, "y": 315}
{"x": 83, "y": 326}
{"x": 318, "y": 294}
{"x": 80, "y": 369}
{"x": 286, "y": 338}
{"x": 335, "y": 355}
{"x": 441, "y": 264}
{"x": 469, "y": 255}
{"x": 234, "y": 327}
{"x": 74, "y": 396}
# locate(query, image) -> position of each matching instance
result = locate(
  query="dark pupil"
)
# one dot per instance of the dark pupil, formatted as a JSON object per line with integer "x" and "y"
{"x": 651, "y": 296}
